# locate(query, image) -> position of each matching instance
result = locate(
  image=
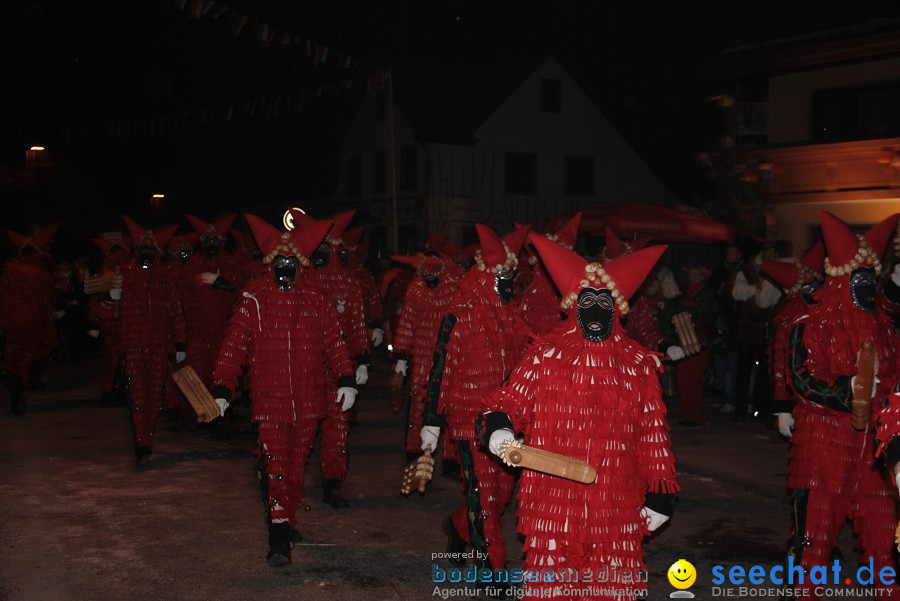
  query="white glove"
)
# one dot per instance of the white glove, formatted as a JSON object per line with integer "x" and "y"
{"x": 654, "y": 518}
{"x": 94, "y": 333}
{"x": 59, "y": 314}
{"x": 362, "y": 375}
{"x": 785, "y": 424}
{"x": 875, "y": 383}
{"x": 400, "y": 367}
{"x": 895, "y": 276}
{"x": 377, "y": 337}
{"x": 223, "y": 405}
{"x": 180, "y": 356}
{"x": 115, "y": 294}
{"x": 498, "y": 437}
{"x": 675, "y": 353}
{"x": 430, "y": 436}
{"x": 209, "y": 277}
{"x": 346, "y": 397}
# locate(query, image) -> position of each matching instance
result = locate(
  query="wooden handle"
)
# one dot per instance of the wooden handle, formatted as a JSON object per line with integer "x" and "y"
{"x": 549, "y": 463}
{"x": 196, "y": 393}
{"x": 866, "y": 368}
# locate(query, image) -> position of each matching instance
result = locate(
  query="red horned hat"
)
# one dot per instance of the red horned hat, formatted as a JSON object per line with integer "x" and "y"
{"x": 341, "y": 222}
{"x": 157, "y": 239}
{"x": 791, "y": 276}
{"x": 570, "y": 272}
{"x": 298, "y": 242}
{"x": 422, "y": 263}
{"x": 217, "y": 229}
{"x": 184, "y": 241}
{"x": 616, "y": 247}
{"x": 496, "y": 254}
{"x": 848, "y": 251}
{"x": 352, "y": 237}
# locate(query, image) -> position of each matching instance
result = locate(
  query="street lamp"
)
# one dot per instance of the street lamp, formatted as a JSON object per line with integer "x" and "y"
{"x": 31, "y": 155}
{"x": 156, "y": 199}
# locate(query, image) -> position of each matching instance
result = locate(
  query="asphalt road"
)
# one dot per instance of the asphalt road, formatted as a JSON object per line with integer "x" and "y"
{"x": 77, "y": 522}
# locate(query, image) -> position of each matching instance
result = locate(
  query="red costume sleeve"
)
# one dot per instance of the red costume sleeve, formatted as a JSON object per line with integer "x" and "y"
{"x": 235, "y": 352}
{"x": 403, "y": 336}
{"x": 656, "y": 461}
{"x": 336, "y": 354}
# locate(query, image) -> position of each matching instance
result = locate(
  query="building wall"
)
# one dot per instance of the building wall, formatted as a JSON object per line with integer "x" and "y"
{"x": 790, "y": 95}
{"x": 797, "y": 221}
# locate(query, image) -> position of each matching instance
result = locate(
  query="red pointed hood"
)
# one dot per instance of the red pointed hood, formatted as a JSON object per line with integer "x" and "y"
{"x": 422, "y": 263}
{"x": 157, "y": 239}
{"x": 515, "y": 239}
{"x": 217, "y": 229}
{"x": 846, "y": 251}
{"x": 298, "y": 242}
{"x": 492, "y": 252}
{"x": 786, "y": 274}
{"x": 187, "y": 240}
{"x": 438, "y": 242}
{"x": 616, "y": 247}
{"x": 18, "y": 240}
{"x": 815, "y": 257}
{"x": 571, "y": 273}
{"x": 341, "y": 223}
{"x": 44, "y": 234}
{"x": 567, "y": 234}
{"x": 352, "y": 236}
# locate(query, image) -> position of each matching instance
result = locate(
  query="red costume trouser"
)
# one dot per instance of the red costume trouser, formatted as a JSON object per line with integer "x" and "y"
{"x": 286, "y": 447}
{"x": 147, "y": 373}
{"x": 334, "y": 456}
{"x": 874, "y": 521}
{"x": 689, "y": 381}
{"x": 489, "y": 488}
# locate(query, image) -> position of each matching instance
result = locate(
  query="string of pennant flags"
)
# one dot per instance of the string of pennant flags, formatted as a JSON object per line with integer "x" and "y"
{"x": 347, "y": 74}
{"x": 241, "y": 25}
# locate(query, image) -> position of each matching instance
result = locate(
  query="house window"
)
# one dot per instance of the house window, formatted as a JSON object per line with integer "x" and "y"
{"x": 521, "y": 174}
{"x": 354, "y": 175}
{"x": 579, "y": 174}
{"x": 379, "y": 172}
{"x": 856, "y": 112}
{"x": 551, "y": 95}
{"x": 408, "y": 177}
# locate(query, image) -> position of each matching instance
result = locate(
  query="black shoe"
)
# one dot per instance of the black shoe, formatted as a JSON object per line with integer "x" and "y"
{"x": 280, "y": 543}
{"x": 456, "y": 546}
{"x": 331, "y": 494}
{"x": 450, "y": 469}
{"x": 142, "y": 458}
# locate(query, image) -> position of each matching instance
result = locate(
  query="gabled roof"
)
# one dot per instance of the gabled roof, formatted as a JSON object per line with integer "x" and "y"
{"x": 446, "y": 100}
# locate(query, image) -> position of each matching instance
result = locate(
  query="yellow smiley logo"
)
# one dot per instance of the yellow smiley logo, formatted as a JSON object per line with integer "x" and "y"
{"x": 682, "y": 574}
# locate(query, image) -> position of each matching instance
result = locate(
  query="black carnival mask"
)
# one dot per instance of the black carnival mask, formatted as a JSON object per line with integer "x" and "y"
{"x": 862, "y": 288}
{"x": 146, "y": 256}
{"x": 596, "y": 310}
{"x": 212, "y": 246}
{"x": 320, "y": 256}
{"x": 503, "y": 285}
{"x": 285, "y": 270}
{"x": 807, "y": 290}
{"x": 432, "y": 281}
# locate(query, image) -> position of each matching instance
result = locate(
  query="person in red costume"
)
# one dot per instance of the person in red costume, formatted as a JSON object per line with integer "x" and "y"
{"x": 288, "y": 335}
{"x": 481, "y": 338}
{"x": 425, "y": 304}
{"x": 833, "y": 471}
{"x": 589, "y": 392}
{"x": 207, "y": 285}
{"x": 798, "y": 282}
{"x": 27, "y": 328}
{"x": 616, "y": 247}
{"x": 104, "y": 323}
{"x": 352, "y": 256}
{"x": 538, "y": 304}
{"x": 644, "y": 320}
{"x": 152, "y": 330}
{"x": 339, "y": 284}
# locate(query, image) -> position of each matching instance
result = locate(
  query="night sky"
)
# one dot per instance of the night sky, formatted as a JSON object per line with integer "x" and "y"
{"x": 88, "y": 79}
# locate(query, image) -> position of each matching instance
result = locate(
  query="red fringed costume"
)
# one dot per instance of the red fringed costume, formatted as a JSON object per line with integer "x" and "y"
{"x": 207, "y": 306}
{"x": 373, "y": 307}
{"x": 337, "y": 283}
{"x": 480, "y": 340}
{"x": 152, "y": 330}
{"x": 291, "y": 341}
{"x": 27, "y": 327}
{"x": 833, "y": 469}
{"x": 539, "y": 302}
{"x": 104, "y": 312}
{"x": 791, "y": 277}
{"x": 598, "y": 401}
{"x": 424, "y": 306}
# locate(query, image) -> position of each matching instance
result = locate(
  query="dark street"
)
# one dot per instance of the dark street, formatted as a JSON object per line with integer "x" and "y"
{"x": 80, "y": 523}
